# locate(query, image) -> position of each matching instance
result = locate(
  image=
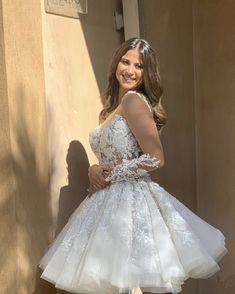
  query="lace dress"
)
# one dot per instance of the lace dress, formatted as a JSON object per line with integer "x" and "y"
{"x": 132, "y": 233}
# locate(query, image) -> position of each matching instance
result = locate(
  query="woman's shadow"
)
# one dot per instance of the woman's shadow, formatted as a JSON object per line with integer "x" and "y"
{"x": 70, "y": 198}
{"x": 74, "y": 193}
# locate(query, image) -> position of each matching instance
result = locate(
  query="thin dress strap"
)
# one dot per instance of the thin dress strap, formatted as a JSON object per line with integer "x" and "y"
{"x": 143, "y": 97}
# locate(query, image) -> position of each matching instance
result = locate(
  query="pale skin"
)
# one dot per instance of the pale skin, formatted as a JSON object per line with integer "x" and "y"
{"x": 129, "y": 74}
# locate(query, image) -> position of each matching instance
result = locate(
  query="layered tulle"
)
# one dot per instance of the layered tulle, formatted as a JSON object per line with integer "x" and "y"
{"x": 132, "y": 234}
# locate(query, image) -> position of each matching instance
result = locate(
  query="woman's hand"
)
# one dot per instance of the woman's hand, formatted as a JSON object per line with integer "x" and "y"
{"x": 97, "y": 175}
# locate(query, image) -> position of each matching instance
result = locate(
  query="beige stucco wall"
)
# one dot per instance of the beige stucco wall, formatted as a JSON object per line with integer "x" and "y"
{"x": 214, "y": 33}
{"x": 25, "y": 205}
{"x": 7, "y": 191}
{"x": 195, "y": 42}
{"x": 168, "y": 27}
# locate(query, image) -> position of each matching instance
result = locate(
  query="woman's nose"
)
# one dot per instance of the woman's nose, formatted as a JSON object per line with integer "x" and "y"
{"x": 130, "y": 69}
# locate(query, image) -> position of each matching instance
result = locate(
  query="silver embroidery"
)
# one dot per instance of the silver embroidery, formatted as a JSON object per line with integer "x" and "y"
{"x": 132, "y": 230}
{"x": 134, "y": 168}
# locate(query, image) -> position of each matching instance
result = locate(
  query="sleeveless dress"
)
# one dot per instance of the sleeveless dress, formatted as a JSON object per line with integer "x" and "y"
{"x": 132, "y": 233}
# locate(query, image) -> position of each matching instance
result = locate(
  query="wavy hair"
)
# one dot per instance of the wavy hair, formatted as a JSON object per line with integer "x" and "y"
{"x": 150, "y": 87}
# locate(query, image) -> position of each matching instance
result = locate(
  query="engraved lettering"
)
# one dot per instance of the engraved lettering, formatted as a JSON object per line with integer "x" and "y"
{"x": 70, "y": 8}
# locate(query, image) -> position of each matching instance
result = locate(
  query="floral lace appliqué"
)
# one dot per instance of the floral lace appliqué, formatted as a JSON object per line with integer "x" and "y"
{"x": 114, "y": 144}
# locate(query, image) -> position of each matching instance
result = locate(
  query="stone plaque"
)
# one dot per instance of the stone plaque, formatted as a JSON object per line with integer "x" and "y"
{"x": 70, "y": 8}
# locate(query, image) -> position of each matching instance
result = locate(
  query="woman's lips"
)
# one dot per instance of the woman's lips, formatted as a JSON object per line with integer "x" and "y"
{"x": 128, "y": 79}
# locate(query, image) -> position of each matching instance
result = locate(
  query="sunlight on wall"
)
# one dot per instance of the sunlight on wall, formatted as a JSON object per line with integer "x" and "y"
{"x": 72, "y": 93}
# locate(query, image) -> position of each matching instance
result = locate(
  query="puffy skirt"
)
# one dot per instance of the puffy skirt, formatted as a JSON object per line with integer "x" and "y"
{"x": 132, "y": 234}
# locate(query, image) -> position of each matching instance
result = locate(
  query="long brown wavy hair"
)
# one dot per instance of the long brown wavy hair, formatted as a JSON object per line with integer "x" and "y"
{"x": 151, "y": 86}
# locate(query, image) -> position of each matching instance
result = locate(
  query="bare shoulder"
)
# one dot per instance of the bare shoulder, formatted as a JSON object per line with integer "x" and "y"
{"x": 134, "y": 101}
{"x": 131, "y": 97}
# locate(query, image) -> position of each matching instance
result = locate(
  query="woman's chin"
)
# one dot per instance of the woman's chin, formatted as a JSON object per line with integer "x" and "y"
{"x": 127, "y": 88}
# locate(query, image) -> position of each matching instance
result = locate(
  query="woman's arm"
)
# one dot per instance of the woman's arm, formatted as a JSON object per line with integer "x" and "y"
{"x": 141, "y": 122}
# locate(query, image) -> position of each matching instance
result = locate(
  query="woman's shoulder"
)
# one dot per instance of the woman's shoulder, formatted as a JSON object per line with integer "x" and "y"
{"x": 135, "y": 99}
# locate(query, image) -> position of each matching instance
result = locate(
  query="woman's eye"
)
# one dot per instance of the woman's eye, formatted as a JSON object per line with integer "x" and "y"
{"x": 139, "y": 66}
{"x": 124, "y": 61}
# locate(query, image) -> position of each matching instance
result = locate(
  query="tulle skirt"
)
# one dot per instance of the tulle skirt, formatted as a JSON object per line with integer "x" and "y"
{"x": 132, "y": 234}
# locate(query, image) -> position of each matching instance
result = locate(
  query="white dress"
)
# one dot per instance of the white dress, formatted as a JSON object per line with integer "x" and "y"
{"x": 132, "y": 233}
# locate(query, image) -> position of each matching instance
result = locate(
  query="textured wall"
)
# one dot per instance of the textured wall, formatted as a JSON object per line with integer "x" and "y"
{"x": 168, "y": 27}
{"x": 8, "y": 259}
{"x": 214, "y": 33}
{"x": 25, "y": 205}
{"x": 195, "y": 42}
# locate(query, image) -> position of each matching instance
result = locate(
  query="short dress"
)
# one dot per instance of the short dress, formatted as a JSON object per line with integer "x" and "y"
{"x": 132, "y": 233}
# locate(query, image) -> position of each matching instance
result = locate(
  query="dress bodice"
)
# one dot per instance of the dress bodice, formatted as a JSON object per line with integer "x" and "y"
{"x": 114, "y": 141}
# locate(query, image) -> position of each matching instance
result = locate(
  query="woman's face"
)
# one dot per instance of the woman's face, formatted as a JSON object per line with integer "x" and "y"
{"x": 129, "y": 71}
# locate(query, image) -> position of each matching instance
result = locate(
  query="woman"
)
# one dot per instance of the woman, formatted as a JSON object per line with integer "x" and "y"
{"x": 129, "y": 234}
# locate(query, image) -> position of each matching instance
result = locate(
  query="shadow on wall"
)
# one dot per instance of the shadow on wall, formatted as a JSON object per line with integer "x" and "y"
{"x": 101, "y": 36}
{"x": 33, "y": 207}
{"x": 78, "y": 182}
{"x": 74, "y": 193}
{"x": 8, "y": 224}
{"x": 70, "y": 196}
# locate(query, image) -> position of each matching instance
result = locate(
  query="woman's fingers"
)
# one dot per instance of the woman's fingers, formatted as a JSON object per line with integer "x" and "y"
{"x": 99, "y": 180}
{"x": 97, "y": 175}
{"x": 94, "y": 188}
{"x": 106, "y": 168}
